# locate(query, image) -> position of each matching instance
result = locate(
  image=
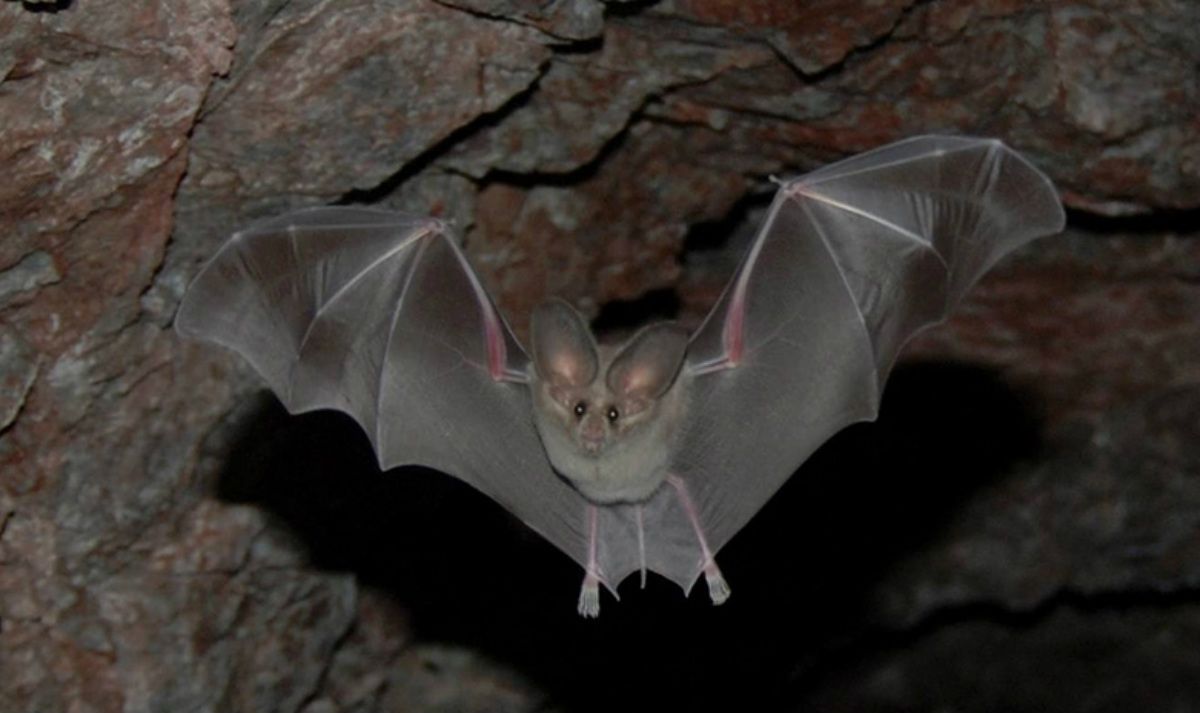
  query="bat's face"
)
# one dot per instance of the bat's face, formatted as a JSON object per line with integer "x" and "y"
{"x": 606, "y": 417}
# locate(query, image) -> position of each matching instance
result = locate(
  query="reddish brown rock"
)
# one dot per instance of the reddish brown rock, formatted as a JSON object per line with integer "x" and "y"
{"x": 1108, "y": 337}
{"x": 364, "y": 87}
{"x": 600, "y": 90}
{"x": 606, "y": 238}
{"x": 561, "y": 19}
{"x": 812, "y": 36}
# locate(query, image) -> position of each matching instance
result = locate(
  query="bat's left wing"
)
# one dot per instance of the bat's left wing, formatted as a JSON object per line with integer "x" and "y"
{"x": 378, "y": 314}
{"x": 851, "y": 262}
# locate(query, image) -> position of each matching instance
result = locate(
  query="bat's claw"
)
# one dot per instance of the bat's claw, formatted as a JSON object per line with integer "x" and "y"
{"x": 589, "y": 598}
{"x": 718, "y": 588}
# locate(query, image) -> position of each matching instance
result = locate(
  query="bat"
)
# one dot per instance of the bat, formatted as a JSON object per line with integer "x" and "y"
{"x": 646, "y": 455}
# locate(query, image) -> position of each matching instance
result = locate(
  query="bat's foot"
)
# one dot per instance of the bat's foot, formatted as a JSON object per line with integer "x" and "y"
{"x": 589, "y": 598}
{"x": 718, "y": 588}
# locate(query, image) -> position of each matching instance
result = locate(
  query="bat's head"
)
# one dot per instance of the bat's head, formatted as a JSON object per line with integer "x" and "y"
{"x": 606, "y": 416}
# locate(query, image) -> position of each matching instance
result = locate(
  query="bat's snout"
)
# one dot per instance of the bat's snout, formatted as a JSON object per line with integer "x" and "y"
{"x": 592, "y": 444}
{"x": 592, "y": 436}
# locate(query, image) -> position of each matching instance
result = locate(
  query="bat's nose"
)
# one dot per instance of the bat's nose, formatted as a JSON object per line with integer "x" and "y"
{"x": 591, "y": 434}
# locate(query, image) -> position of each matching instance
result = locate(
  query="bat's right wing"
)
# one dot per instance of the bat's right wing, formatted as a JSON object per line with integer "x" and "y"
{"x": 851, "y": 262}
{"x": 378, "y": 314}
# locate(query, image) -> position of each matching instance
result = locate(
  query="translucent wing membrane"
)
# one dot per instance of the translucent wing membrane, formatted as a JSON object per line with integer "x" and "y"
{"x": 377, "y": 314}
{"x": 851, "y": 262}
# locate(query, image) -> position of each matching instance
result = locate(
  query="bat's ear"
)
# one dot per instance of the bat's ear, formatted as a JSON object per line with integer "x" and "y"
{"x": 647, "y": 366}
{"x": 563, "y": 351}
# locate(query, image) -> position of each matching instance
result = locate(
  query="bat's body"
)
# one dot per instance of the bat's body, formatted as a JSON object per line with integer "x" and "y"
{"x": 631, "y": 465}
{"x": 654, "y": 453}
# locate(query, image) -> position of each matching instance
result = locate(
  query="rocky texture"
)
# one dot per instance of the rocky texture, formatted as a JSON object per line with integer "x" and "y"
{"x": 562, "y": 19}
{"x": 1019, "y": 530}
{"x": 363, "y": 87}
{"x": 1116, "y": 658}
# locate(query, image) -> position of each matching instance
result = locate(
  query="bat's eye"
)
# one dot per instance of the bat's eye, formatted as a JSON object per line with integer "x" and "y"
{"x": 580, "y": 409}
{"x": 612, "y": 413}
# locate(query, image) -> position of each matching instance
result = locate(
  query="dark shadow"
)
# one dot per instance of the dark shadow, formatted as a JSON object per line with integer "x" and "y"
{"x": 628, "y": 8}
{"x": 1182, "y": 222}
{"x": 744, "y": 217}
{"x": 624, "y": 315}
{"x": 50, "y": 6}
{"x": 801, "y": 570}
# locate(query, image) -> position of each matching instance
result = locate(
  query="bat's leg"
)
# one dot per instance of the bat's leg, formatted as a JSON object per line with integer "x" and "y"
{"x": 718, "y": 588}
{"x": 589, "y": 593}
{"x": 641, "y": 544}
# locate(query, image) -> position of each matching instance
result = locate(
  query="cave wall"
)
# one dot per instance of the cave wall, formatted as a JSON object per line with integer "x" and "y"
{"x": 1019, "y": 531}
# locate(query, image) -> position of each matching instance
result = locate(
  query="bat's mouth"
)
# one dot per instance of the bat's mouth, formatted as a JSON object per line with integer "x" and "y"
{"x": 592, "y": 447}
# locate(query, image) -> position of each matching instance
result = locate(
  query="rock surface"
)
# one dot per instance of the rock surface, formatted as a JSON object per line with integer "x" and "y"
{"x": 1019, "y": 531}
